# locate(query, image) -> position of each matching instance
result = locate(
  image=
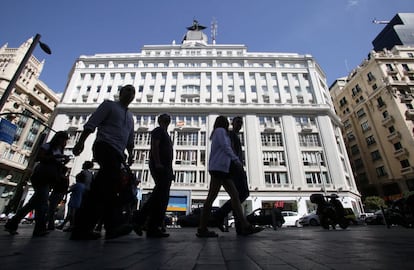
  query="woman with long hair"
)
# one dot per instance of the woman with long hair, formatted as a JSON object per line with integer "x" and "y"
{"x": 46, "y": 174}
{"x": 221, "y": 156}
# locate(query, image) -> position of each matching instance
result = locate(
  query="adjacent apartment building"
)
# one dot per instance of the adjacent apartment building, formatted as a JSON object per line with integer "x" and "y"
{"x": 29, "y": 107}
{"x": 291, "y": 135}
{"x": 375, "y": 104}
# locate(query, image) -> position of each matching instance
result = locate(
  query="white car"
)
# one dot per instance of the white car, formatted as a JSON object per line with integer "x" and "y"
{"x": 291, "y": 219}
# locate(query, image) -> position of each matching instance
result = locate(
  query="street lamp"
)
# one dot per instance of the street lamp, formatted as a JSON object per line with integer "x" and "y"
{"x": 15, "y": 201}
{"x": 19, "y": 70}
{"x": 320, "y": 171}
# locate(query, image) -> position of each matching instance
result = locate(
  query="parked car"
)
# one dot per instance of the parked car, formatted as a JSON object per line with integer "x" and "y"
{"x": 291, "y": 219}
{"x": 350, "y": 216}
{"x": 193, "y": 219}
{"x": 231, "y": 222}
{"x": 311, "y": 219}
{"x": 376, "y": 219}
{"x": 266, "y": 217}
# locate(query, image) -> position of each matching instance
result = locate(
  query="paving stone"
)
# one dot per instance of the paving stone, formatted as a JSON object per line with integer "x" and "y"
{"x": 358, "y": 247}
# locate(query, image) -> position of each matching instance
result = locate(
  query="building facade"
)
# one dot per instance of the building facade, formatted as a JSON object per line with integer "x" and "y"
{"x": 399, "y": 31}
{"x": 29, "y": 107}
{"x": 375, "y": 103}
{"x": 291, "y": 135}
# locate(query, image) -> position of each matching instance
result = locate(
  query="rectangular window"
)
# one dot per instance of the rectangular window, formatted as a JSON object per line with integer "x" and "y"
{"x": 360, "y": 113}
{"x": 271, "y": 139}
{"x": 276, "y": 178}
{"x": 375, "y": 155}
{"x": 187, "y": 138}
{"x": 370, "y": 77}
{"x": 313, "y": 178}
{"x": 274, "y": 158}
{"x": 186, "y": 157}
{"x": 381, "y": 171}
{"x": 309, "y": 140}
{"x": 405, "y": 163}
{"x": 370, "y": 140}
{"x": 365, "y": 126}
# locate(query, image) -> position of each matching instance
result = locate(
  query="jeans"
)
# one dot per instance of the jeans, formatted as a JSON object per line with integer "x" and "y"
{"x": 239, "y": 177}
{"x": 38, "y": 203}
{"x": 155, "y": 207}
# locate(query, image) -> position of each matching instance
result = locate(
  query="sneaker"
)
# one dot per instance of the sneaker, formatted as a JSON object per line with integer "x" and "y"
{"x": 137, "y": 229}
{"x": 137, "y": 223}
{"x": 79, "y": 235}
{"x": 119, "y": 231}
{"x": 157, "y": 234}
{"x": 206, "y": 233}
{"x": 219, "y": 222}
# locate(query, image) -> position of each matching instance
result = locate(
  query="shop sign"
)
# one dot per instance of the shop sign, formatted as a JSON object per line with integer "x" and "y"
{"x": 7, "y": 131}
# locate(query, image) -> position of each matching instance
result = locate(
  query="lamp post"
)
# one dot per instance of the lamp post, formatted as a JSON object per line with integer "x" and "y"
{"x": 19, "y": 70}
{"x": 321, "y": 173}
{"x": 15, "y": 202}
{"x": 22, "y": 186}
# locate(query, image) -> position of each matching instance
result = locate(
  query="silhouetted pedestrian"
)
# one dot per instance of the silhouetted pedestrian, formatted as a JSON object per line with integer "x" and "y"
{"x": 237, "y": 174}
{"x": 47, "y": 172}
{"x": 115, "y": 133}
{"x": 59, "y": 190}
{"x": 221, "y": 156}
{"x": 160, "y": 164}
{"x": 76, "y": 193}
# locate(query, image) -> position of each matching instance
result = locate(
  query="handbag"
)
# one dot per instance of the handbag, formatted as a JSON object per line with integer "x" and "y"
{"x": 127, "y": 186}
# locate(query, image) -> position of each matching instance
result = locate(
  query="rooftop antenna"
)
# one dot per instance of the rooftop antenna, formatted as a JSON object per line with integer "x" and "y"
{"x": 214, "y": 30}
{"x": 379, "y": 21}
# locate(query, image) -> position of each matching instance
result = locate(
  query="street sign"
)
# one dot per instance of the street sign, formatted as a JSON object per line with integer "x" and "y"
{"x": 7, "y": 131}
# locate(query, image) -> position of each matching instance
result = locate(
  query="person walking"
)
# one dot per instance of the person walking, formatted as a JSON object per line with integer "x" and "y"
{"x": 221, "y": 156}
{"x": 59, "y": 190}
{"x": 47, "y": 172}
{"x": 237, "y": 174}
{"x": 160, "y": 164}
{"x": 87, "y": 174}
{"x": 76, "y": 193}
{"x": 115, "y": 134}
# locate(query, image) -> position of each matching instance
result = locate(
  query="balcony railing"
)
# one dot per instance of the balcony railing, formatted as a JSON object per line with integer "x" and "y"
{"x": 394, "y": 137}
{"x": 409, "y": 114}
{"x": 401, "y": 153}
{"x": 387, "y": 120}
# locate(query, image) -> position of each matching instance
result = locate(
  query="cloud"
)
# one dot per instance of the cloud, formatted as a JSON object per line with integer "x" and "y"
{"x": 352, "y": 3}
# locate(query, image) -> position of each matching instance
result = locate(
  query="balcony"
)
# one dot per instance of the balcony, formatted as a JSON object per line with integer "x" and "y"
{"x": 269, "y": 127}
{"x": 394, "y": 137}
{"x": 407, "y": 171}
{"x": 409, "y": 114}
{"x": 387, "y": 121}
{"x": 406, "y": 99}
{"x": 392, "y": 71}
{"x": 306, "y": 128}
{"x": 401, "y": 153}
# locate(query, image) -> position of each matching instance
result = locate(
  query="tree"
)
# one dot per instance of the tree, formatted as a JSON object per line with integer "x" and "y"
{"x": 374, "y": 203}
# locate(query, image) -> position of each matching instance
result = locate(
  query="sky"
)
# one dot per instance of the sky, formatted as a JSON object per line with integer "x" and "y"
{"x": 337, "y": 33}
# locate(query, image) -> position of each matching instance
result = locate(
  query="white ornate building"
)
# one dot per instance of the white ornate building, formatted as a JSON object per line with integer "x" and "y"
{"x": 29, "y": 107}
{"x": 292, "y": 140}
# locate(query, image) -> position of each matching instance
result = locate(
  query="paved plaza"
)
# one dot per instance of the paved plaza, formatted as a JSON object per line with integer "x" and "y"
{"x": 358, "y": 247}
